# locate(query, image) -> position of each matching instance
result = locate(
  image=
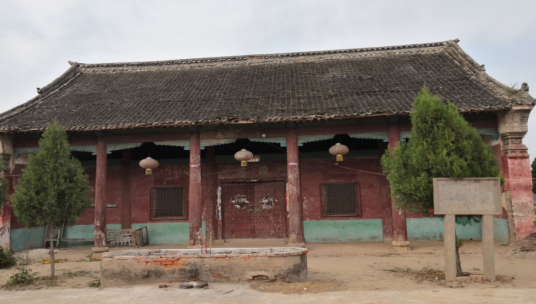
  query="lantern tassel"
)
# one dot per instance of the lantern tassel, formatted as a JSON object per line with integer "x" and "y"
{"x": 148, "y": 172}
{"x": 244, "y": 163}
{"x": 339, "y": 158}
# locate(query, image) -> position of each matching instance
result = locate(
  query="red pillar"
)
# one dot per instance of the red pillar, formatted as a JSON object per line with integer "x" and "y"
{"x": 126, "y": 164}
{"x": 101, "y": 242}
{"x": 400, "y": 229}
{"x": 194, "y": 191}
{"x": 513, "y": 125}
{"x": 211, "y": 196}
{"x": 6, "y": 214}
{"x": 385, "y": 200}
{"x": 295, "y": 228}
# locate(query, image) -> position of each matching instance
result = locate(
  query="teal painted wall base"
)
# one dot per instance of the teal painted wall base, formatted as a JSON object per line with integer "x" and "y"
{"x": 22, "y": 239}
{"x": 424, "y": 229}
{"x": 167, "y": 233}
{"x": 369, "y": 230}
{"x": 159, "y": 233}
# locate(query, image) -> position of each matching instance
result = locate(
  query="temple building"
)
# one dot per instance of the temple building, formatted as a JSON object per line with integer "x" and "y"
{"x": 288, "y": 110}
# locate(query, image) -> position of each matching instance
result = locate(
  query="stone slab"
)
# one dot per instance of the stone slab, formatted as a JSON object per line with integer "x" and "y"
{"x": 467, "y": 196}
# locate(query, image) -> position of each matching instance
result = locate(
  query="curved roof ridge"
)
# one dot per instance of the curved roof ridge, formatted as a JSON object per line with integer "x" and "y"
{"x": 265, "y": 56}
{"x": 493, "y": 83}
{"x": 43, "y": 92}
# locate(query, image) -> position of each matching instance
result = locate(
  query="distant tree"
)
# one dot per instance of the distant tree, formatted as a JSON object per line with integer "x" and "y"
{"x": 4, "y": 187}
{"x": 442, "y": 144}
{"x": 53, "y": 189}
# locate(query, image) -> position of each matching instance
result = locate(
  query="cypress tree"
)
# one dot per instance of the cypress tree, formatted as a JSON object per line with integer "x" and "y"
{"x": 53, "y": 190}
{"x": 442, "y": 144}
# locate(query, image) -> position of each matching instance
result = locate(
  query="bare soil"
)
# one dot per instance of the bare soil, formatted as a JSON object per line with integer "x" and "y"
{"x": 341, "y": 268}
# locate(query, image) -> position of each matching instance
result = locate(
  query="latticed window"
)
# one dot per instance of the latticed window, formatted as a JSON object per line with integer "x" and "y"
{"x": 168, "y": 203}
{"x": 341, "y": 199}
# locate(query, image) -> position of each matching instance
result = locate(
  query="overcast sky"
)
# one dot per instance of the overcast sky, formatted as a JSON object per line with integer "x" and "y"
{"x": 37, "y": 38}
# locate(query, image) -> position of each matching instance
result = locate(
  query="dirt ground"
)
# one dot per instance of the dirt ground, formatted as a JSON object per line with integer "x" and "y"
{"x": 352, "y": 273}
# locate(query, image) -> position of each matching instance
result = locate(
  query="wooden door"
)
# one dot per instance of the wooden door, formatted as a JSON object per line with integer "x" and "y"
{"x": 254, "y": 210}
{"x": 270, "y": 210}
{"x": 238, "y": 220}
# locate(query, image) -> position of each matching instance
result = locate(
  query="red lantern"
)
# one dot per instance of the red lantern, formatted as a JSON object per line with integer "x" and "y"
{"x": 149, "y": 165}
{"x": 243, "y": 156}
{"x": 339, "y": 150}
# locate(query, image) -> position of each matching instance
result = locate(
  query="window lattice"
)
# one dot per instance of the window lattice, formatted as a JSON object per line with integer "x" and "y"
{"x": 168, "y": 203}
{"x": 341, "y": 199}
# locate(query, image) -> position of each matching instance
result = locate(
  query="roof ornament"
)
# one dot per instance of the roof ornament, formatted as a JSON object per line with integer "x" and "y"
{"x": 70, "y": 62}
{"x": 39, "y": 91}
{"x": 456, "y": 40}
{"x": 525, "y": 87}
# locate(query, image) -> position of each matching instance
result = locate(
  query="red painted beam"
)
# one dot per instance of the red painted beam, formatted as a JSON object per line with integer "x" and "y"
{"x": 126, "y": 165}
{"x": 400, "y": 229}
{"x": 345, "y": 129}
{"x": 140, "y": 138}
{"x": 295, "y": 228}
{"x": 100, "y": 238}
{"x": 73, "y": 141}
{"x": 194, "y": 190}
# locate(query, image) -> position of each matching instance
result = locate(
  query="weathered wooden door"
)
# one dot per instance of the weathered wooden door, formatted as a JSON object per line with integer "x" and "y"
{"x": 254, "y": 210}
{"x": 270, "y": 210}
{"x": 237, "y": 198}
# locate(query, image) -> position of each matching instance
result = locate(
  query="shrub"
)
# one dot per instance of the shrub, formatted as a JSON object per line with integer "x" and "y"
{"x": 24, "y": 276}
{"x": 6, "y": 258}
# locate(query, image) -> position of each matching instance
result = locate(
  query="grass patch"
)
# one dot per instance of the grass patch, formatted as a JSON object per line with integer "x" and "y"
{"x": 513, "y": 90}
{"x": 71, "y": 274}
{"x": 298, "y": 288}
{"x": 425, "y": 274}
{"x": 95, "y": 283}
{"x": 22, "y": 277}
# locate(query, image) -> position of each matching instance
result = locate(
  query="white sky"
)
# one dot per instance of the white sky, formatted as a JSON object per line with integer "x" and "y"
{"x": 37, "y": 38}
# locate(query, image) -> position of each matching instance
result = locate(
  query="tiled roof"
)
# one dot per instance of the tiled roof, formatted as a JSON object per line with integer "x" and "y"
{"x": 260, "y": 88}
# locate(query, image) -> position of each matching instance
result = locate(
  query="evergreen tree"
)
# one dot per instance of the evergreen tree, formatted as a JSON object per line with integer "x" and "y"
{"x": 4, "y": 187}
{"x": 442, "y": 144}
{"x": 53, "y": 189}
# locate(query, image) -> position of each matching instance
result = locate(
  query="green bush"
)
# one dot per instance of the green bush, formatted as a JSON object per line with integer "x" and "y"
{"x": 6, "y": 258}
{"x": 23, "y": 277}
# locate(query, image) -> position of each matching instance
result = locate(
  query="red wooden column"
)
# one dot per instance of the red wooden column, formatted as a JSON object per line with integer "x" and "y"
{"x": 295, "y": 228}
{"x": 126, "y": 164}
{"x": 101, "y": 242}
{"x": 400, "y": 229}
{"x": 195, "y": 197}
{"x": 212, "y": 188}
{"x": 385, "y": 200}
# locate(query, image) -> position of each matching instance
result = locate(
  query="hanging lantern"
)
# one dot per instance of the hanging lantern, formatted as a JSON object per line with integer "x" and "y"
{"x": 149, "y": 165}
{"x": 243, "y": 156}
{"x": 339, "y": 150}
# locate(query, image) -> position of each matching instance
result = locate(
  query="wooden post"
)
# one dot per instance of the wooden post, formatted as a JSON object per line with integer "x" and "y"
{"x": 488, "y": 246}
{"x": 385, "y": 201}
{"x": 100, "y": 239}
{"x": 126, "y": 164}
{"x": 194, "y": 190}
{"x": 400, "y": 229}
{"x": 212, "y": 188}
{"x": 449, "y": 222}
{"x": 295, "y": 228}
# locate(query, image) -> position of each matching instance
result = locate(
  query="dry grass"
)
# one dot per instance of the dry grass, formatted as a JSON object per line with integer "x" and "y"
{"x": 513, "y": 90}
{"x": 299, "y": 288}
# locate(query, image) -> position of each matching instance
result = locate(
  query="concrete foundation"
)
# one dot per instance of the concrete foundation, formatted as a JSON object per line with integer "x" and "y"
{"x": 131, "y": 267}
